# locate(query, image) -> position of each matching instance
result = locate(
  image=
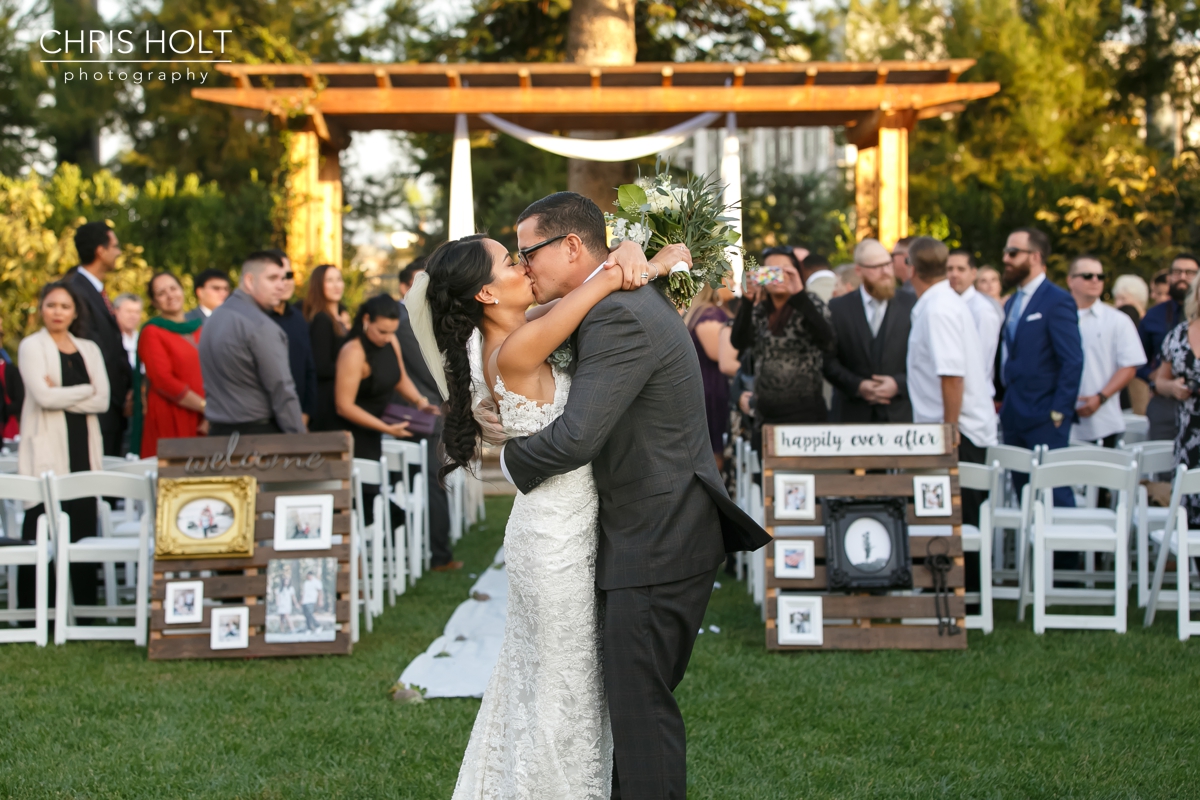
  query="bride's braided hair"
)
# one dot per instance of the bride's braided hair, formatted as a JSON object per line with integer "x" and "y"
{"x": 457, "y": 270}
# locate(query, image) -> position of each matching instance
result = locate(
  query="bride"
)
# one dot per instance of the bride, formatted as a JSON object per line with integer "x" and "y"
{"x": 543, "y": 728}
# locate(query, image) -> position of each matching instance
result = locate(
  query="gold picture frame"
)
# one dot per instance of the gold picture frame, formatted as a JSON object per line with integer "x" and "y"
{"x": 205, "y": 517}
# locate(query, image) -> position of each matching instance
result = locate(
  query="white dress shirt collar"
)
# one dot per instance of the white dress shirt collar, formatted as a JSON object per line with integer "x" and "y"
{"x": 868, "y": 301}
{"x": 968, "y": 293}
{"x": 99, "y": 284}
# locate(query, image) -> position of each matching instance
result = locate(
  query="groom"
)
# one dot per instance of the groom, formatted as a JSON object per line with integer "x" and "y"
{"x": 636, "y": 413}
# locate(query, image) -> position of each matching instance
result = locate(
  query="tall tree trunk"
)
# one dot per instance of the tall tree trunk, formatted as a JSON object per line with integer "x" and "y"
{"x": 601, "y": 34}
{"x": 74, "y": 122}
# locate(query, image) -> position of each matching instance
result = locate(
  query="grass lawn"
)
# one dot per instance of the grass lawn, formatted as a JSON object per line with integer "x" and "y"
{"x": 1068, "y": 714}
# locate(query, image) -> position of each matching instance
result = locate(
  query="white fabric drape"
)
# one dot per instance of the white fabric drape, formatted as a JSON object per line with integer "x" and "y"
{"x": 731, "y": 176}
{"x": 462, "y": 193}
{"x": 604, "y": 149}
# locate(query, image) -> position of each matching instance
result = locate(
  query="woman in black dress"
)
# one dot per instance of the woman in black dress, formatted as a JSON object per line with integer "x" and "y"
{"x": 369, "y": 370}
{"x": 327, "y": 327}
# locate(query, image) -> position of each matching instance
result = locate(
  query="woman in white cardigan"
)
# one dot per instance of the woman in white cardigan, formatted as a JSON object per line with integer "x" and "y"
{"x": 66, "y": 385}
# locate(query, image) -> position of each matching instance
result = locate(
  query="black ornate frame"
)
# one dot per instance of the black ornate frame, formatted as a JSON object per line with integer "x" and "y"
{"x": 891, "y": 512}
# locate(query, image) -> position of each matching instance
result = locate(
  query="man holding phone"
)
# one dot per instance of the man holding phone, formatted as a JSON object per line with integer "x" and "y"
{"x": 868, "y": 367}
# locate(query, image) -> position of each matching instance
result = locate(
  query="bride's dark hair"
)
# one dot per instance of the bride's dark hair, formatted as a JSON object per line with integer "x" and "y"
{"x": 457, "y": 270}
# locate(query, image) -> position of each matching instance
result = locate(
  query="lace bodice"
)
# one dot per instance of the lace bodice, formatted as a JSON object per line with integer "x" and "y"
{"x": 524, "y": 417}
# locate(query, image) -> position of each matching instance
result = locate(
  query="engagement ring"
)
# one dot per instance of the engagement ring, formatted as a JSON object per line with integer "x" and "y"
{"x": 645, "y": 276}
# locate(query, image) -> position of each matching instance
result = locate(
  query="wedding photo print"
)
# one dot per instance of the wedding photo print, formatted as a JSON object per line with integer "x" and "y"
{"x": 799, "y": 620}
{"x": 301, "y": 600}
{"x": 931, "y": 496}
{"x": 184, "y": 602}
{"x": 795, "y": 497}
{"x": 794, "y": 559}
{"x": 204, "y": 517}
{"x": 304, "y": 522}
{"x": 230, "y": 628}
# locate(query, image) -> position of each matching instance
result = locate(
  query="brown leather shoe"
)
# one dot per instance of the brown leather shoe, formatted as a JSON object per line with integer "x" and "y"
{"x": 449, "y": 567}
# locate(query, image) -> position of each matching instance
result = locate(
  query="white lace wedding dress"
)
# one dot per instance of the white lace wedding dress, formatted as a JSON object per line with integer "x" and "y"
{"x": 543, "y": 729}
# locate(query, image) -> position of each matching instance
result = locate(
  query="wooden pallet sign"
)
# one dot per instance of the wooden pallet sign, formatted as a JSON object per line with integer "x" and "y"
{"x": 250, "y": 613}
{"x": 804, "y": 465}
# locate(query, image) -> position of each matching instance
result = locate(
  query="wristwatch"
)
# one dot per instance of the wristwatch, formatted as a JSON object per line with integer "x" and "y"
{"x": 1056, "y": 417}
{"x": 1103, "y": 397}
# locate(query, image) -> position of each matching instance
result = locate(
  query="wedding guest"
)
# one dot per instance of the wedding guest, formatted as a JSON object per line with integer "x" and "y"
{"x": 788, "y": 331}
{"x": 328, "y": 325}
{"x": 370, "y": 369}
{"x": 300, "y": 353}
{"x": 127, "y": 309}
{"x": 244, "y": 358}
{"x": 12, "y": 393}
{"x": 98, "y": 250}
{"x": 705, "y": 320}
{"x": 871, "y": 327}
{"x": 1175, "y": 377}
{"x": 847, "y": 280}
{"x": 408, "y": 274}
{"x": 1112, "y": 352}
{"x": 1160, "y": 320}
{"x": 211, "y": 288}
{"x": 988, "y": 283}
{"x": 901, "y": 266}
{"x": 66, "y": 382}
{"x": 1160, "y": 289}
{"x": 947, "y": 381}
{"x": 1131, "y": 290}
{"x": 818, "y": 277}
{"x": 174, "y": 385}
{"x": 1040, "y": 355}
{"x": 987, "y": 313}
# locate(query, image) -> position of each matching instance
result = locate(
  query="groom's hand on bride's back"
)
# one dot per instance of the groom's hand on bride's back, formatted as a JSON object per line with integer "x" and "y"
{"x": 487, "y": 414}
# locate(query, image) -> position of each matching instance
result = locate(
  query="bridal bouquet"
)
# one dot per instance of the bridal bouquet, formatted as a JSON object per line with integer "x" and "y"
{"x": 655, "y": 212}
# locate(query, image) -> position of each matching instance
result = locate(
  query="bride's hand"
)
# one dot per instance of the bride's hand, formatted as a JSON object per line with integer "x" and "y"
{"x": 487, "y": 414}
{"x": 668, "y": 257}
{"x": 629, "y": 259}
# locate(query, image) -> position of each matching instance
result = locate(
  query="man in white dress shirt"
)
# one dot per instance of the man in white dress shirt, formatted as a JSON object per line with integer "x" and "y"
{"x": 946, "y": 378}
{"x": 1112, "y": 352}
{"x": 962, "y": 271}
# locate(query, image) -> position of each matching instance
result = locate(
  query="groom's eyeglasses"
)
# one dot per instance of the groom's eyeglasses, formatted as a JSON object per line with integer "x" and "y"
{"x": 523, "y": 254}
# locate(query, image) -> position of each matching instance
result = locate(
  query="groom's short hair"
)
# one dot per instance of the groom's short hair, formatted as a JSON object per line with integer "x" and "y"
{"x": 569, "y": 212}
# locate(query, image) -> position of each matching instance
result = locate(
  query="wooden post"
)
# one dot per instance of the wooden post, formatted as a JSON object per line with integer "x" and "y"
{"x": 866, "y": 191}
{"x": 314, "y": 233}
{"x": 893, "y": 185}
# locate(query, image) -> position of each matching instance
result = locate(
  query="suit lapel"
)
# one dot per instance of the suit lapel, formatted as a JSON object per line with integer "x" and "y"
{"x": 863, "y": 327}
{"x": 1032, "y": 306}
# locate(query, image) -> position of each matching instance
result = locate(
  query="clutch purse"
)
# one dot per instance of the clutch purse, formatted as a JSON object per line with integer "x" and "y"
{"x": 420, "y": 423}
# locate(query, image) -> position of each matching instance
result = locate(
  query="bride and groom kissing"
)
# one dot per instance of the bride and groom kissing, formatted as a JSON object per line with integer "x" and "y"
{"x": 621, "y": 520}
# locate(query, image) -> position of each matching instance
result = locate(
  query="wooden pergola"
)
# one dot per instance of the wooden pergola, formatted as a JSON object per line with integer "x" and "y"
{"x": 877, "y": 103}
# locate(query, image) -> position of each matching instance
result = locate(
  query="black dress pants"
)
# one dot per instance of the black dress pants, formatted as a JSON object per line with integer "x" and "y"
{"x": 649, "y": 632}
{"x": 84, "y": 577}
{"x": 972, "y": 499}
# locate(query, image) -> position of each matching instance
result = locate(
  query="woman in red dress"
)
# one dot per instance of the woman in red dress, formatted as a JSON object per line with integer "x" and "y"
{"x": 173, "y": 387}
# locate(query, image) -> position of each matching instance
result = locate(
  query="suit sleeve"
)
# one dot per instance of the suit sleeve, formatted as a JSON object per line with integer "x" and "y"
{"x": 270, "y": 348}
{"x": 836, "y": 373}
{"x": 1068, "y": 347}
{"x": 308, "y": 397}
{"x": 741, "y": 334}
{"x": 815, "y": 321}
{"x": 1146, "y": 371}
{"x": 616, "y": 358}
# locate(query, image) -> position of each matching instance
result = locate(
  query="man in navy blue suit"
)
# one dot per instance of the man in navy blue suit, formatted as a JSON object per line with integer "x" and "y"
{"x": 1040, "y": 353}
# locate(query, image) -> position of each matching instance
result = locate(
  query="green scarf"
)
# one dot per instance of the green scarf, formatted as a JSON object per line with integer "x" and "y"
{"x": 135, "y": 430}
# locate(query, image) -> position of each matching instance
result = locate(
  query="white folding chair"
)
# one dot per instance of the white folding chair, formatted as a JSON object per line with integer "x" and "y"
{"x": 1011, "y": 511}
{"x": 1184, "y": 544}
{"x": 23, "y": 489}
{"x": 1137, "y": 429}
{"x": 974, "y": 539}
{"x": 1048, "y": 538}
{"x": 125, "y": 521}
{"x": 1155, "y": 458}
{"x": 373, "y": 552}
{"x": 411, "y": 461}
{"x": 454, "y": 494}
{"x": 92, "y": 548}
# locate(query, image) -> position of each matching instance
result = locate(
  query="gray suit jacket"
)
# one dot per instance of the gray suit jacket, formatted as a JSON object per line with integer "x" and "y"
{"x": 636, "y": 413}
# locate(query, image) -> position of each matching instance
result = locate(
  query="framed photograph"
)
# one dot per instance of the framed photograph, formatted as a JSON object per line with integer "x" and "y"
{"x": 184, "y": 602}
{"x": 866, "y": 544}
{"x": 205, "y": 517}
{"x": 794, "y": 559}
{"x": 230, "y": 628}
{"x": 931, "y": 495}
{"x": 304, "y": 522}
{"x": 798, "y": 620}
{"x": 795, "y": 497}
{"x": 301, "y": 600}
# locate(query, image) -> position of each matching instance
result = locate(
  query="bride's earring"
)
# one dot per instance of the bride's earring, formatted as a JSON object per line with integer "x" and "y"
{"x": 496, "y": 301}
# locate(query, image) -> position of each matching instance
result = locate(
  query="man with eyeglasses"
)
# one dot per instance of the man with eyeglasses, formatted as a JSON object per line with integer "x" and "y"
{"x": 1041, "y": 355}
{"x": 868, "y": 369}
{"x": 1155, "y": 326}
{"x": 1112, "y": 352}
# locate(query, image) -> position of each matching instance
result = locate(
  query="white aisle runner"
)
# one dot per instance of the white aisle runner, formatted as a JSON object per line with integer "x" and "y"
{"x": 460, "y": 661}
